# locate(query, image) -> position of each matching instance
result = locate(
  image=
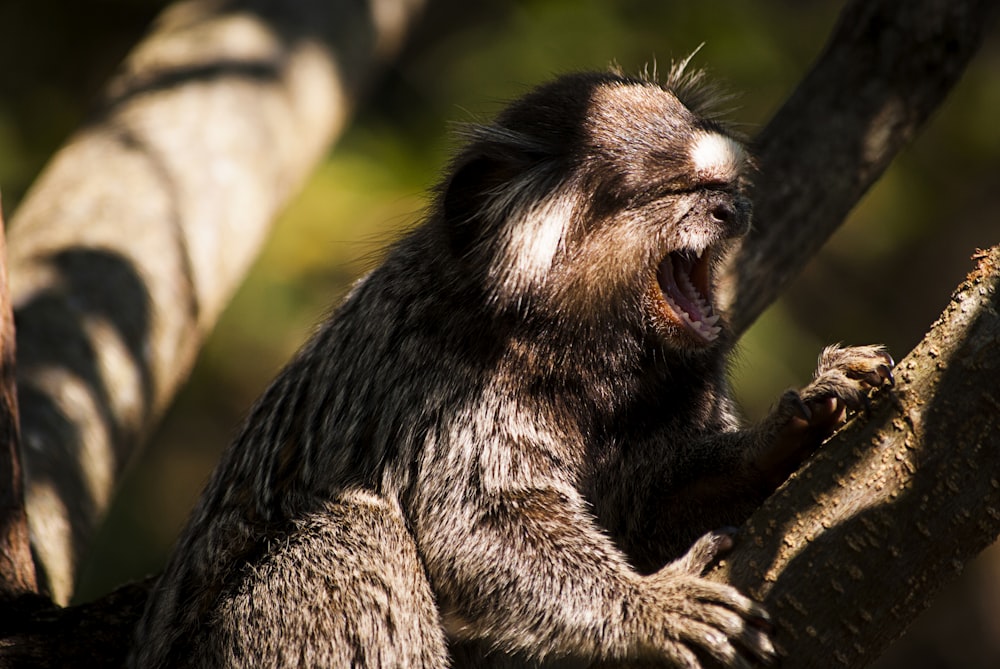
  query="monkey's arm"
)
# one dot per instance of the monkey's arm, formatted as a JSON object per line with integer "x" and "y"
{"x": 718, "y": 479}
{"x": 536, "y": 577}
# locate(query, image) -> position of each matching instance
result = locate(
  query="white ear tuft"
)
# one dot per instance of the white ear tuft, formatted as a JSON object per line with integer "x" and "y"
{"x": 531, "y": 246}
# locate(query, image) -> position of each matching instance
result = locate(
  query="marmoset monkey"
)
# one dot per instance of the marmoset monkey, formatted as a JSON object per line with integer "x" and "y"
{"x": 513, "y": 443}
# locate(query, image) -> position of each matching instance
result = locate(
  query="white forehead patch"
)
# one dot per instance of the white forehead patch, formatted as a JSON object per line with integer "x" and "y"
{"x": 717, "y": 157}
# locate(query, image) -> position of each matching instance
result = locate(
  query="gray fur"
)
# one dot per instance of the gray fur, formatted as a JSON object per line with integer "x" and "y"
{"x": 500, "y": 447}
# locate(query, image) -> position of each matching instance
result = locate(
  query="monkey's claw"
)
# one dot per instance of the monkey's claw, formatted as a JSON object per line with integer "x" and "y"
{"x": 794, "y": 399}
{"x": 723, "y": 624}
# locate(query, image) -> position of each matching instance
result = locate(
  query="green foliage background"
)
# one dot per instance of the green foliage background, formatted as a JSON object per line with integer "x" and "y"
{"x": 883, "y": 278}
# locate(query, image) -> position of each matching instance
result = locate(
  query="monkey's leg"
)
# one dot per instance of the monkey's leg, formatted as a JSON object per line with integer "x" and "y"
{"x": 345, "y": 588}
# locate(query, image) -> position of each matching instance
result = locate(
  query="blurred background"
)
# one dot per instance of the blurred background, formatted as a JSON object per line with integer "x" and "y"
{"x": 884, "y": 277}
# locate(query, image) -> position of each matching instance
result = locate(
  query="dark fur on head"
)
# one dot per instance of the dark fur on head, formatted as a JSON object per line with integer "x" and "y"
{"x": 569, "y": 202}
{"x": 494, "y": 448}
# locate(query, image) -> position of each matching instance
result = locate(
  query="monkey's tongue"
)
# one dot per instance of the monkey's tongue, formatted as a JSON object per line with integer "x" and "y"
{"x": 689, "y": 306}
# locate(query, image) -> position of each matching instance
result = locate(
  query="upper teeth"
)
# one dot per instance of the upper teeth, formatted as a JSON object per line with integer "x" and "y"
{"x": 699, "y": 299}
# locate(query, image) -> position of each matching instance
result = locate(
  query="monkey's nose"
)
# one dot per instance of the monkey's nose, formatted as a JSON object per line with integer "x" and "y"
{"x": 731, "y": 214}
{"x": 723, "y": 213}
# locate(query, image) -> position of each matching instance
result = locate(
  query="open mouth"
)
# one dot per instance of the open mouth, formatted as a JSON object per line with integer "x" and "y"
{"x": 685, "y": 280}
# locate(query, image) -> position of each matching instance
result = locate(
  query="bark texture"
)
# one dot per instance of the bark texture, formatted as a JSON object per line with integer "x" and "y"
{"x": 95, "y": 635}
{"x": 17, "y": 569}
{"x": 856, "y": 544}
{"x": 134, "y": 237}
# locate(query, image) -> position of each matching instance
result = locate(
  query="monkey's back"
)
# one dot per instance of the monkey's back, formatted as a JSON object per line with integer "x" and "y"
{"x": 301, "y": 523}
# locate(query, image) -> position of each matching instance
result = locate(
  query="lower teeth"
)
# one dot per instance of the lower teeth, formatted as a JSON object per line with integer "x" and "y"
{"x": 706, "y": 328}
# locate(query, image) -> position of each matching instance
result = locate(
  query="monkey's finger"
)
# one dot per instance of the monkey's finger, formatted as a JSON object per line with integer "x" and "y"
{"x": 679, "y": 655}
{"x": 758, "y": 644}
{"x": 754, "y": 636}
{"x": 828, "y": 412}
{"x": 712, "y": 642}
{"x": 877, "y": 377}
{"x": 835, "y": 383}
{"x": 720, "y": 594}
{"x": 706, "y": 550}
{"x": 887, "y": 359}
{"x": 791, "y": 398}
{"x": 723, "y": 618}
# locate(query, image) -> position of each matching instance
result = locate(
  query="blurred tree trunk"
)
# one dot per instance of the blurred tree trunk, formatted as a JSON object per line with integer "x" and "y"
{"x": 134, "y": 237}
{"x": 109, "y": 357}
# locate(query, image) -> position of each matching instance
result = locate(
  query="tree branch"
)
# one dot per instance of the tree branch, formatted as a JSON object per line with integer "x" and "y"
{"x": 886, "y": 67}
{"x": 95, "y": 635}
{"x": 859, "y": 540}
{"x": 136, "y": 234}
{"x": 17, "y": 569}
{"x": 855, "y": 545}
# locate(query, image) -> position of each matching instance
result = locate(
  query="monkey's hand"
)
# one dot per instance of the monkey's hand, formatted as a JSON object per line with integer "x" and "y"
{"x": 842, "y": 383}
{"x": 705, "y": 619}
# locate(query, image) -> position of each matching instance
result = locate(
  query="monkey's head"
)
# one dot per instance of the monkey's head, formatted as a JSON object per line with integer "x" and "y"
{"x": 603, "y": 203}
